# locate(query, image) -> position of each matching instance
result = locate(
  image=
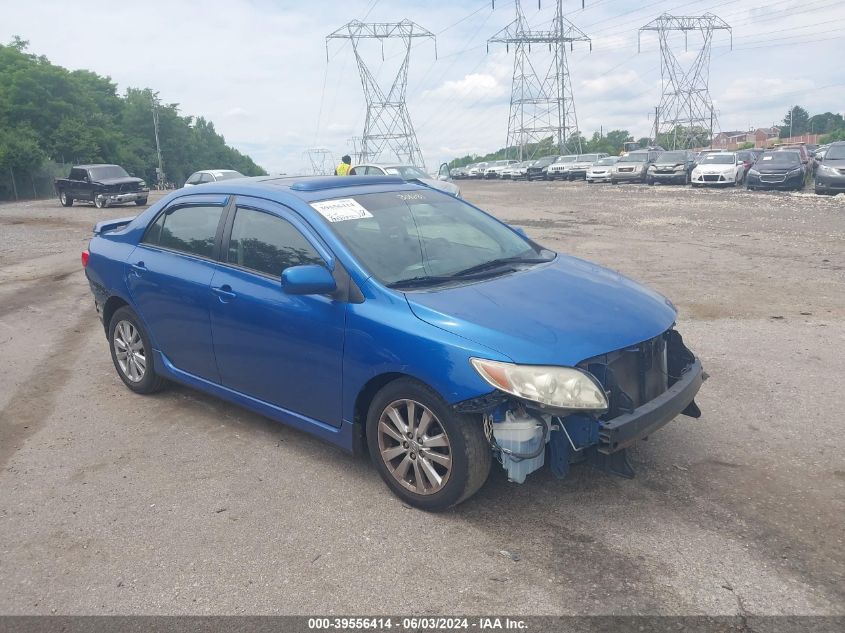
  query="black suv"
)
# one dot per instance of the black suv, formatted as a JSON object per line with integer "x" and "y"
{"x": 674, "y": 166}
{"x": 537, "y": 170}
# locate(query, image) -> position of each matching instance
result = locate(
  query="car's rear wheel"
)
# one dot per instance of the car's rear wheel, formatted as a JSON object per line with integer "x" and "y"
{"x": 65, "y": 199}
{"x": 131, "y": 352}
{"x": 429, "y": 456}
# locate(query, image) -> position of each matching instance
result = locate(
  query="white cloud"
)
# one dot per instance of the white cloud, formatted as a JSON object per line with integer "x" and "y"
{"x": 257, "y": 68}
{"x": 477, "y": 86}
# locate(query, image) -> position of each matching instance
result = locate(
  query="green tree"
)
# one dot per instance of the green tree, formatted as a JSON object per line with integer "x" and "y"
{"x": 48, "y": 112}
{"x": 796, "y": 122}
{"x": 825, "y": 123}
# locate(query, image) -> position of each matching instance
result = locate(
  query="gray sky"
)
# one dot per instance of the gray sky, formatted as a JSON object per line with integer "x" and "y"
{"x": 258, "y": 70}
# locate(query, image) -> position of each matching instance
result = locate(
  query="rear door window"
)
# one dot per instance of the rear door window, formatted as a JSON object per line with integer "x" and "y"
{"x": 188, "y": 229}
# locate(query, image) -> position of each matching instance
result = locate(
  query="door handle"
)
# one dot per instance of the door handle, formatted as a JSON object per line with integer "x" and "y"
{"x": 138, "y": 268}
{"x": 224, "y": 293}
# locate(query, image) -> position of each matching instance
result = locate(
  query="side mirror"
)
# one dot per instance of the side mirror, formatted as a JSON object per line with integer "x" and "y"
{"x": 519, "y": 230}
{"x": 310, "y": 279}
{"x": 443, "y": 172}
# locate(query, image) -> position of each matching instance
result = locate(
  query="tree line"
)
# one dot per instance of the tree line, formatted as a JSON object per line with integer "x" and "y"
{"x": 799, "y": 122}
{"x": 51, "y": 114}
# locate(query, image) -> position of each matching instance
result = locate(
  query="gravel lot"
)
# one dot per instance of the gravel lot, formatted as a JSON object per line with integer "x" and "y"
{"x": 178, "y": 503}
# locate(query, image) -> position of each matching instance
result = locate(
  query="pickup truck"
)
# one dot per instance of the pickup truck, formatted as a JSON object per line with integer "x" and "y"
{"x": 104, "y": 185}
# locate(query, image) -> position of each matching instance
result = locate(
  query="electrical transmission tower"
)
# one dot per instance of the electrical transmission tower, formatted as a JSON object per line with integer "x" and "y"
{"x": 320, "y": 160}
{"x": 542, "y": 105}
{"x": 388, "y": 124}
{"x": 685, "y": 116}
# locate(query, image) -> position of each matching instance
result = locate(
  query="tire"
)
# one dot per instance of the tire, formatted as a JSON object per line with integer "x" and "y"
{"x": 141, "y": 202}
{"x": 125, "y": 330}
{"x": 65, "y": 199}
{"x": 650, "y": 181}
{"x": 614, "y": 182}
{"x": 466, "y": 447}
{"x": 100, "y": 203}
{"x": 749, "y": 187}
{"x": 696, "y": 184}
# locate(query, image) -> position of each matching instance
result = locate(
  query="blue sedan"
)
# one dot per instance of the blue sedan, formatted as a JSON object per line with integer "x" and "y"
{"x": 387, "y": 317}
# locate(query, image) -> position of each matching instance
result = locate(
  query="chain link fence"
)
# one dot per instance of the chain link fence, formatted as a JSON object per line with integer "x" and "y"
{"x": 19, "y": 184}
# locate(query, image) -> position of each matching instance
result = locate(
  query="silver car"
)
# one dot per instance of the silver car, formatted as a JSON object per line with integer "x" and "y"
{"x": 406, "y": 172}
{"x": 601, "y": 170}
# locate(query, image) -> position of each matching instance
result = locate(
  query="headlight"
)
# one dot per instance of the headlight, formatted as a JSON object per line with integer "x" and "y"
{"x": 559, "y": 387}
{"x": 792, "y": 172}
{"x": 680, "y": 167}
{"x": 829, "y": 170}
{"x": 142, "y": 184}
{"x": 652, "y": 168}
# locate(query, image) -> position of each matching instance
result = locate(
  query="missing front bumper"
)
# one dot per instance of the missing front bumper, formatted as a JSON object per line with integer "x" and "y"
{"x": 624, "y": 430}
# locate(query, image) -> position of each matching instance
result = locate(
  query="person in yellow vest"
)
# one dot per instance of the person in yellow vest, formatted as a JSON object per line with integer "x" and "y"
{"x": 344, "y": 167}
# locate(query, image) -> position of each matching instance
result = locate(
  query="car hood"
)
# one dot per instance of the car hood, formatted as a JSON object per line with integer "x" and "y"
{"x": 668, "y": 165}
{"x": 716, "y": 167}
{"x": 558, "y": 313}
{"x": 776, "y": 168}
{"x": 126, "y": 180}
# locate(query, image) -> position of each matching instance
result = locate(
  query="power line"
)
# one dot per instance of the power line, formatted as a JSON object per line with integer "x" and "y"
{"x": 387, "y": 125}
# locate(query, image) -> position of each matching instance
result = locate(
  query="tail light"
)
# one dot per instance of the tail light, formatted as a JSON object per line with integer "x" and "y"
{"x": 85, "y": 256}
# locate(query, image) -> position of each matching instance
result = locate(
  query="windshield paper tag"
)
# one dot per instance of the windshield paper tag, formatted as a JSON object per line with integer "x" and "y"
{"x": 341, "y": 210}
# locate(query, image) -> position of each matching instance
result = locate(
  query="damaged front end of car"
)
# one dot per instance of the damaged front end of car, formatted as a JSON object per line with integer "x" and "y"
{"x": 588, "y": 413}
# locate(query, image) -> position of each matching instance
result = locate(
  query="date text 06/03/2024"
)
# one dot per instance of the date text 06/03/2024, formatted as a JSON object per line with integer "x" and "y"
{"x": 417, "y": 624}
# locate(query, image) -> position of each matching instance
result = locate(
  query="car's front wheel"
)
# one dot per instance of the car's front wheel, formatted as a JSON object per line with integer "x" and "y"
{"x": 131, "y": 352}
{"x": 65, "y": 199}
{"x": 141, "y": 202}
{"x": 100, "y": 202}
{"x": 430, "y": 456}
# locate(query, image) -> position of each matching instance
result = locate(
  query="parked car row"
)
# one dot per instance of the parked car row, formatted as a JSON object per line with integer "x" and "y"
{"x": 788, "y": 167}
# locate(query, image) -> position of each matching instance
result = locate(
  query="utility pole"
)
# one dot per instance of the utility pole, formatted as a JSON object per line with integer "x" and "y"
{"x": 685, "y": 103}
{"x": 791, "y": 118}
{"x": 656, "y": 123}
{"x": 541, "y": 105}
{"x": 160, "y": 169}
{"x": 388, "y": 125}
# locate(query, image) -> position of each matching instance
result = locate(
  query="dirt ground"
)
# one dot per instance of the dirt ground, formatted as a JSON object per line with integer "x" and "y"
{"x": 178, "y": 503}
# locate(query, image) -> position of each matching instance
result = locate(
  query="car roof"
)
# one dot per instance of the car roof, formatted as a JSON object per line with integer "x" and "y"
{"x": 90, "y": 165}
{"x": 215, "y": 171}
{"x": 305, "y": 188}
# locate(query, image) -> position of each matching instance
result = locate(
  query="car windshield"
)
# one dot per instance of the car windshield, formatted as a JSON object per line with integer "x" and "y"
{"x": 780, "y": 158}
{"x": 107, "y": 172}
{"x": 634, "y": 158}
{"x": 610, "y": 160}
{"x": 835, "y": 152}
{"x": 567, "y": 159}
{"x": 407, "y": 172}
{"x": 228, "y": 175}
{"x": 588, "y": 158}
{"x": 672, "y": 157}
{"x": 546, "y": 160}
{"x": 418, "y": 238}
{"x": 719, "y": 159}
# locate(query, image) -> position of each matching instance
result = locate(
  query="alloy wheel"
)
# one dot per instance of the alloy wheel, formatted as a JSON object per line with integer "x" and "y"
{"x": 414, "y": 446}
{"x": 129, "y": 351}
